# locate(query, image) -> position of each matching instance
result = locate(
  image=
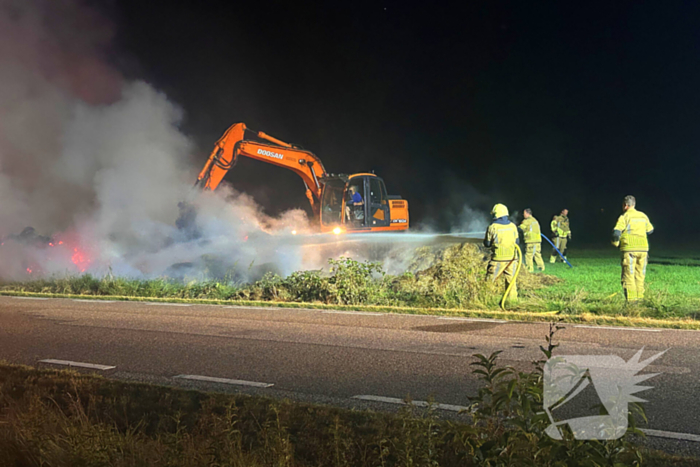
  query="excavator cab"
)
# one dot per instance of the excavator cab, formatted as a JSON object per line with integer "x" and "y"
{"x": 359, "y": 203}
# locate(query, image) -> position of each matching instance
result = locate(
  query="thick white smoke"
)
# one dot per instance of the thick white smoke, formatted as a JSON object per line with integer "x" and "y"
{"x": 40, "y": 82}
{"x": 97, "y": 163}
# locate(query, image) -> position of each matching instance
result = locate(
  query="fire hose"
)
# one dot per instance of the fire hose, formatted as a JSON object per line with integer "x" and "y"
{"x": 515, "y": 276}
{"x": 557, "y": 250}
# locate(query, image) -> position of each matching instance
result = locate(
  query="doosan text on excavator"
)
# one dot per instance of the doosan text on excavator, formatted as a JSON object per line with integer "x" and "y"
{"x": 341, "y": 203}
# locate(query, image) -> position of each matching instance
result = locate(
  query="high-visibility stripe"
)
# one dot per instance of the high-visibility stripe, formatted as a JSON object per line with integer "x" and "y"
{"x": 496, "y": 272}
{"x": 631, "y": 257}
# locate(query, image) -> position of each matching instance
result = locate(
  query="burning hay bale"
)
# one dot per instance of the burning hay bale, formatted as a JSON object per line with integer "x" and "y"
{"x": 29, "y": 255}
{"x": 452, "y": 277}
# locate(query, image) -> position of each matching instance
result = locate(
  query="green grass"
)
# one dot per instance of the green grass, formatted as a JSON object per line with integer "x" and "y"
{"x": 593, "y": 286}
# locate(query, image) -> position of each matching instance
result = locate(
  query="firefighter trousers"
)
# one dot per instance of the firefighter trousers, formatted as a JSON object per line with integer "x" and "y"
{"x": 506, "y": 269}
{"x": 560, "y": 243}
{"x": 634, "y": 270}
{"x": 533, "y": 251}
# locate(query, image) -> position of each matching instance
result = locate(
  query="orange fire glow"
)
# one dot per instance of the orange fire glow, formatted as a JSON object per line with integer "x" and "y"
{"x": 80, "y": 259}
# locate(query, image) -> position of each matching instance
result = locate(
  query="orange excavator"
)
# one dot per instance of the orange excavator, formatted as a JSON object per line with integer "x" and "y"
{"x": 341, "y": 203}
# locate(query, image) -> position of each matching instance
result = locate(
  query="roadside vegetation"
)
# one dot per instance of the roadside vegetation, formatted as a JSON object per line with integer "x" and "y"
{"x": 437, "y": 279}
{"x": 62, "y": 418}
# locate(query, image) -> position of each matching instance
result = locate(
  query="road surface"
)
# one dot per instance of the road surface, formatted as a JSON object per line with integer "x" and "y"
{"x": 344, "y": 358}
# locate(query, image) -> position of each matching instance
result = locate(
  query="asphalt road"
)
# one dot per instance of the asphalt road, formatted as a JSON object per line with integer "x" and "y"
{"x": 333, "y": 356}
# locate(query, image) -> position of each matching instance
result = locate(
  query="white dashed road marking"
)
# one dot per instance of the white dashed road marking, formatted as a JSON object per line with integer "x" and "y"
{"x": 236, "y": 382}
{"x": 671, "y": 435}
{"x": 92, "y": 366}
{"x": 396, "y": 400}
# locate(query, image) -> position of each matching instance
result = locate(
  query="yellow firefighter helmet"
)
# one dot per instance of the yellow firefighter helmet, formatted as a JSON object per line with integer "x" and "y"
{"x": 499, "y": 210}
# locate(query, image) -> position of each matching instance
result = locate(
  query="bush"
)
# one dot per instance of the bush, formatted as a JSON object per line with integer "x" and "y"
{"x": 307, "y": 286}
{"x": 270, "y": 287}
{"x": 352, "y": 282}
{"x": 510, "y": 407}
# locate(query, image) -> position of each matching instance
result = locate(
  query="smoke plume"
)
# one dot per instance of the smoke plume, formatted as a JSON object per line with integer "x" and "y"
{"x": 94, "y": 172}
{"x": 96, "y": 164}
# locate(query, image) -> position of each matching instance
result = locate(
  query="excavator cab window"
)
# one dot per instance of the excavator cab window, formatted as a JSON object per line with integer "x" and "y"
{"x": 378, "y": 207}
{"x": 359, "y": 203}
{"x": 332, "y": 202}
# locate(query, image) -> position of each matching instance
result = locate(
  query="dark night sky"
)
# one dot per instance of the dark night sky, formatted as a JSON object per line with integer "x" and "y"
{"x": 540, "y": 104}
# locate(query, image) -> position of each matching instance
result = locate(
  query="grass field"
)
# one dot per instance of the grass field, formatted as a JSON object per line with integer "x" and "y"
{"x": 593, "y": 285}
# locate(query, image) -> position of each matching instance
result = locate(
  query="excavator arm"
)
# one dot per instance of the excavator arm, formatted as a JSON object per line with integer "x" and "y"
{"x": 273, "y": 151}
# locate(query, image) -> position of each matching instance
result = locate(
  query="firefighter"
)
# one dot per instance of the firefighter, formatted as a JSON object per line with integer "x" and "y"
{"x": 561, "y": 234}
{"x": 533, "y": 241}
{"x": 630, "y": 235}
{"x": 501, "y": 237}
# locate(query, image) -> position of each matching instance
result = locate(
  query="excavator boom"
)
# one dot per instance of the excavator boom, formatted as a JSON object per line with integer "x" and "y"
{"x": 233, "y": 144}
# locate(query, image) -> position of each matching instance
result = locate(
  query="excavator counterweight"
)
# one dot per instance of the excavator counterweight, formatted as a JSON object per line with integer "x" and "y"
{"x": 340, "y": 203}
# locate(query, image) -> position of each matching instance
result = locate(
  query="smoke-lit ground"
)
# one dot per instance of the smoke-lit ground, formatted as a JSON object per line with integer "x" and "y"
{"x": 97, "y": 166}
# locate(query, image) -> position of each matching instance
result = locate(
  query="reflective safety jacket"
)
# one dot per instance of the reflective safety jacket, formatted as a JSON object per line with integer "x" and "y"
{"x": 501, "y": 238}
{"x": 631, "y": 231}
{"x": 531, "y": 230}
{"x": 560, "y": 226}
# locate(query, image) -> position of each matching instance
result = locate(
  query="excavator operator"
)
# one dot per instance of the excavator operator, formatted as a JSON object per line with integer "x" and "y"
{"x": 354, "y": 209}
